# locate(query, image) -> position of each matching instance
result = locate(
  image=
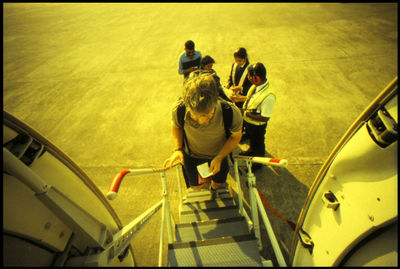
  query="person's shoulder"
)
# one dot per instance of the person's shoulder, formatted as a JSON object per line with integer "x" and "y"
{"x": 234, "y": 108}
{"x": 178, "y": 103}
{"x": 182, "y": 55}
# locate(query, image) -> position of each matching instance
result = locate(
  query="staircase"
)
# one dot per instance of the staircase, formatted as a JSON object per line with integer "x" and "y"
{"x": 213, "y": 233}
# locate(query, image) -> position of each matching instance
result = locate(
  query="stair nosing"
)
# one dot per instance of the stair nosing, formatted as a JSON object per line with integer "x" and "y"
{"x": 203, "y": 201}
{"x": 212, "y": 241}
{"x": 196, "y": 211}
{"x": 208, "y": 222}
{"x": 205, "y": 193}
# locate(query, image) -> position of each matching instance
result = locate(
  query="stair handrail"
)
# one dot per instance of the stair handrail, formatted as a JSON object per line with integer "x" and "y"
{"x": 256, "y": 203}
{"x": 139, "y": 222}
{"x": 116, "y": 182}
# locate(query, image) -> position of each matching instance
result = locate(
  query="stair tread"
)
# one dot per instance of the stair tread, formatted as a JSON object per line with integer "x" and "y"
{"x": 211, "y": 229}
{"x": 208, "y": 214}
{"x": 204, "y": 192}
{"x": 227, "y": 251}
{"x": 218, "y": 202}
{"x": 206, "y": 196}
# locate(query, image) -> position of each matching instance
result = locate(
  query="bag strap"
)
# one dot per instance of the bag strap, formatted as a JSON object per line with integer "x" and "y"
{"x": 181, "y": 111}
{"x": 227, "y": 115}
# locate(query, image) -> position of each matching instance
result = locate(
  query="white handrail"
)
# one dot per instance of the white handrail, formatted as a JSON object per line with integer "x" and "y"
{"x": 116, "y": 182}
{"x": 263, "y": 160}
{"x": 160, "y": 250}
{"x": 256, "y": 204}
{"x": 166, "y": 216}
{"x": 178, "y": 178}
{"x": 270, "y": 231}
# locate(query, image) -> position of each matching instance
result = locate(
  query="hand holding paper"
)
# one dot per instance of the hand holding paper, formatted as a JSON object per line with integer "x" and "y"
{"x": 204, "y": 170}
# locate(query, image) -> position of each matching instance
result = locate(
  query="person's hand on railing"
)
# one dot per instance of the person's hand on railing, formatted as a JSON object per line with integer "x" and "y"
{"x": 176, "y": 157}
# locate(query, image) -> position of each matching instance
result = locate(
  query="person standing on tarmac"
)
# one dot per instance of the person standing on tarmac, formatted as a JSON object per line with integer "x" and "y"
{"x": 202, "y": 135}
{"x": 238, "y": 81}
{"x": 257, "y": 110}
{"x": 206, "y": 67}
{"x": 189, "y": 60}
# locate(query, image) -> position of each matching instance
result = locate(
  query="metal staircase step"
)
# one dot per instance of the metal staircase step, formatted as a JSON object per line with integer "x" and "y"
{"x": 204, "y": 196}
{"x": 220, "y": 252}
{"x": 205, "y": 192}
{"x": 209, "y": 213}
{"x": 218, "y": 202}
{"x": 211, "y": 229}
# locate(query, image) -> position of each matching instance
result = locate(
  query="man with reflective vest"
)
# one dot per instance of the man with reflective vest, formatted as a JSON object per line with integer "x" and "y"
{"x": 257, "y": 110}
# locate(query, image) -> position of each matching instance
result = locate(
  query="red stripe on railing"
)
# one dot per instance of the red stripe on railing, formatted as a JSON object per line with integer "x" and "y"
{"x": 116, "y": 182}
{"x": 275, "y": 160}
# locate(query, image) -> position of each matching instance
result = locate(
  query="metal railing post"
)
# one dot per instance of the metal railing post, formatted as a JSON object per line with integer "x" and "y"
{"x": 160, "y": 251}
{"x": 253, "y": 204}
{"x": 238, "y": 187}
{"x": 178, "y": 177}
{"x": 270, "y": 231}
{"x": 166, "y": 205}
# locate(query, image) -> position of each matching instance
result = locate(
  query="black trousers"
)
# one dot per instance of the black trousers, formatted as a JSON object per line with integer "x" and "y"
{"x": 191, "y": 174}
{"x": 256, "y": 135}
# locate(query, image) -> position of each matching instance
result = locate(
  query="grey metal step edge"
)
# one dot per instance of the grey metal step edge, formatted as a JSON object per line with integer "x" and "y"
{"x": 201, "y": 201}
{"x": 203, "y": 193}
{"x": 208, "y": 210}
{"x": 208, "y": 222}
{"x": 214, "y": 241}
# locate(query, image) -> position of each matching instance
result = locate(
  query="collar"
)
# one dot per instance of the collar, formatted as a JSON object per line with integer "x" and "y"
{"x": 262, "y": 86}
{"x": 218, "y": 110}
{"x": 194, "y": 54}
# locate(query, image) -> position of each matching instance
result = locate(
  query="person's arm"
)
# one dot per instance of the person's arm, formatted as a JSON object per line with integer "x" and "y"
{"x": 180, "y": 67}
{"x": 177, "y": 136}
{"x": 230, "y": 80}
{"x": 229, "y": 146}
{"x": 189, "y": 70}
{"x": 239, "y": 98}
{"x": 256, "y": 117}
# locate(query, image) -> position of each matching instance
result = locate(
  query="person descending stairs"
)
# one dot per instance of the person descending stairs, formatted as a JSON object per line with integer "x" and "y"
{"x": 211, "y": 232}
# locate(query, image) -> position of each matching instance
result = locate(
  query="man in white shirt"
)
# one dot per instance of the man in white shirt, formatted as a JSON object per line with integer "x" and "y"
{"x": 258, "y": 110}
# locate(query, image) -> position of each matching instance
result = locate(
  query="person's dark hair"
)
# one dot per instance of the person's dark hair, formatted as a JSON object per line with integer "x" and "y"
{"x": 200, "y": 93}
{"x": 206, "y": 60}
{"x": 258, "y": 69}
{"x": 189, "y": 45}
{"x": 240, "y": 53}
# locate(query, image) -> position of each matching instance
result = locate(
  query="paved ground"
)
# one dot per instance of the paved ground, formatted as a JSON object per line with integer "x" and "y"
{"x": 98, "y": 80}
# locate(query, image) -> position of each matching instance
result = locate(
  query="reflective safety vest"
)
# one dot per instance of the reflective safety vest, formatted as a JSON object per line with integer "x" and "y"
{"x": 251, "y": 105}
{"x": 242, "y": 78}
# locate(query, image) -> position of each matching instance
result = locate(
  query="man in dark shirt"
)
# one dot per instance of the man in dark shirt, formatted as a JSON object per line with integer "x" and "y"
{"x": 189, "y": 60}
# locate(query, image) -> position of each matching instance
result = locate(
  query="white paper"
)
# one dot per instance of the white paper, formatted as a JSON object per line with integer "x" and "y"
{"x": 204, "y": 170}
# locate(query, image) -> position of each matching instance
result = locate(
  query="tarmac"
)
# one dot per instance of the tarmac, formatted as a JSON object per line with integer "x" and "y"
{"x": 99, "y": 80}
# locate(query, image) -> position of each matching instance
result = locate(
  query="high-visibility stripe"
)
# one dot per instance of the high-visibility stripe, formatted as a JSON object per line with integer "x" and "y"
{"x": 243, "y": 77}
{"x": 263, "y": 93}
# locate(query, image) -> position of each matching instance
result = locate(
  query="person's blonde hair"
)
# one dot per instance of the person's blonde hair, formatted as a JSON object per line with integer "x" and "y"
{"x": 200, "y": 93}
